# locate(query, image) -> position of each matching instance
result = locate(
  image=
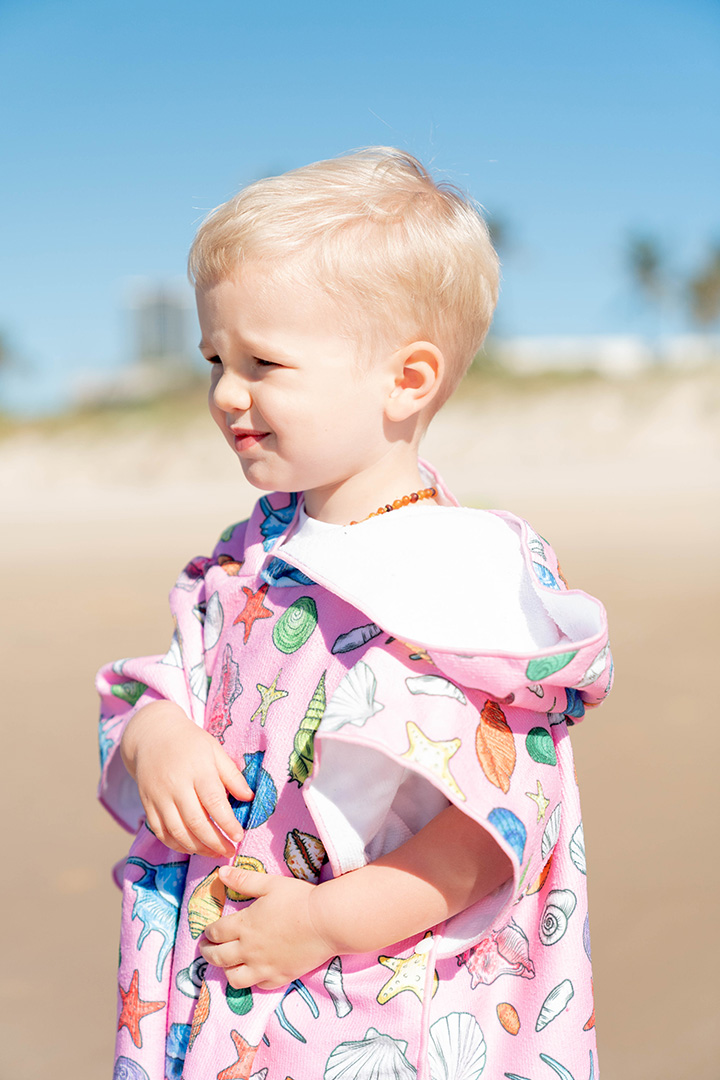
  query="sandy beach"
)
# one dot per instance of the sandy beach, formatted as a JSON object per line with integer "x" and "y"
{"x": 622, "y": 477}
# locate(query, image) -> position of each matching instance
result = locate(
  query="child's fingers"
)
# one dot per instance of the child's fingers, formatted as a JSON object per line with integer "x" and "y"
{"x": 247, "y": 882}
{"x": 233, "y": 779}
{"x": 192, "y": 830}
{"x": 213, "y": 798}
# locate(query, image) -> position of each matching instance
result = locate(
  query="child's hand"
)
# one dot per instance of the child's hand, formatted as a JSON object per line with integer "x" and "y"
{"x": 182, "y": 774}
{"x": 271, "y": 942}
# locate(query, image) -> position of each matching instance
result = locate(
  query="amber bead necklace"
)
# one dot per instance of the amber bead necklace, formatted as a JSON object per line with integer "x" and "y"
{"x": 406, "y": 500}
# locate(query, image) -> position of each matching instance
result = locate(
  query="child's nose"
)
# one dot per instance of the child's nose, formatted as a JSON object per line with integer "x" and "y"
{"x": 231, "y": 393}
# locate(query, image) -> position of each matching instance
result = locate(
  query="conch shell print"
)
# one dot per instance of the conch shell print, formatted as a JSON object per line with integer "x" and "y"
{"x": 559, "y": 906}
{"x": 502, "y": 952}
{"x": 229, "y": 689}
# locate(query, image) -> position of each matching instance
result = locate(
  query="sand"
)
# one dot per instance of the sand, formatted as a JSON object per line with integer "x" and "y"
{"x": 622, "y": 477}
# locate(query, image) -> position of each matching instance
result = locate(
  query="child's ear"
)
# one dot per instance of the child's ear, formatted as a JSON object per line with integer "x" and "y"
{"x": 419, "y": 369}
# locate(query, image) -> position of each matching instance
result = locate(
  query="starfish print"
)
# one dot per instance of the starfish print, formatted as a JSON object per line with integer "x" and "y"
{"x": 433, "y": 756}
{"x": 540, "y": 801}
{"x": 240, "y": 1069}
{"x": 408, "y": 972}
{"x": 268, "y": 694}
{"x": 253, "y": 609}
{"x": 134, "y": 1009}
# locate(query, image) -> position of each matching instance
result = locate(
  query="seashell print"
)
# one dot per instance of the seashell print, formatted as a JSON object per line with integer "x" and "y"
{"x": 245, "y": 862}
{"x": 537, "y": 689}
{"x": 229, "y": 688}
{"x": 261, "y": 1074}
{"x": 561, "y": 1071}
{"x": 173, "y": 657}
{"x": 206, "y": 903}
{"x": 577, "y": 849}
{"x": 502, "y": 952}
{"x": 118, "y": 665}
{"x": 302, "y": 754}
{"x": 543, "y": 666}
{"x": 229, "y": 565}
{"x": 510, "y": 828}
{"x": 559, "y": 906}
{"x": 456, "y": 1050}
{"x": 226, "y": 534}
{"x": 295, "y": 625}
{"x": 127, "y": 1069}
{"x": 189, "y": 981}
{"x": 540, "y": 880}
{"x": 305, "y": 856}
{"x": 536, "y": 547}
{"x": 574, "y": 705}
{"x": 539, "y": 745}
{"x": 495, "y": 746}
{"x": 276, "y": 518}
{"x": 544, "y": 576}
{"x": 176, "y": 1047}
{"x": 435, "y": 685}
{"x": 355, "y": 638}
{"x": 202, "y": 1011}
{"x": 508, "y": 1017}
{"x": 590, "y": 1022}
{"x": 214, "y": 618}
{"x": 595, "y": 670}
{"x": 199, "y": 681}
{"x": 158, "y": 894}
{"x": 555, "y": 1003}
{"x": 552, "y": 832}
{"x": 258, "y": 810}
{"x": 239, "y": 1001}
{"x": 333, "y": 983}
{"x": 586, "y": 936}
{"x": 374, "y": 1057}
{"x": 283, "y": 576}
{"x": 130, "y": 691}
{"x": 354, "y": 700}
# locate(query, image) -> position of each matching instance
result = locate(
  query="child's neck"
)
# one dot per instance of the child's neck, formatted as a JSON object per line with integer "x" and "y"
{"x": 360, "y": 495}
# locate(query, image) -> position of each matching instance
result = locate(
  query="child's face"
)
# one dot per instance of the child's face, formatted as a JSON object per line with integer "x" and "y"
{"x": 287, "y": 390}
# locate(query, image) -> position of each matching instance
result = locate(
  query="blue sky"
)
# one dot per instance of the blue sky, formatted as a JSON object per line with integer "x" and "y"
{"x": 575, "y": 122}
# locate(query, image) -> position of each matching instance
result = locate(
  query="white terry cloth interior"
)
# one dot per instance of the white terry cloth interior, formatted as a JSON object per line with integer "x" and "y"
{"x": 360, "y": 823}
{"x": 448, "y": 577}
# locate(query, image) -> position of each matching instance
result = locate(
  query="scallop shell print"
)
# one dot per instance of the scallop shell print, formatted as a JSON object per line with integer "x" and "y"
{"x": 376, "y": 1057}
{"x": 435, "y": 685}
{"x": 559, "y": 906}
{"x": 295, "y": 625}
{"x": 577, "y": 849}
{"x": 354, "y": 700}
{"x": 457, "y": 1048}
{"x": 555, "y": 1003}
{"x": 214, "y": 618}
{"x": 552, "y": 832}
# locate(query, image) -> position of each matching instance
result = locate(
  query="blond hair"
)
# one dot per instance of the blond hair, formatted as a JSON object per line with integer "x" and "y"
{"x": 373, "y": 225}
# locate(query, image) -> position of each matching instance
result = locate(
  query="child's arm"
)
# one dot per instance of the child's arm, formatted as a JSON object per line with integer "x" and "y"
{"x": 294, "y": 927}
{"x": 182, "y": 774}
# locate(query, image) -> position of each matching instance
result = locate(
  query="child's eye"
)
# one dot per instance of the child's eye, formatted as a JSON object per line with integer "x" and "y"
{"x": 264, "y": 363}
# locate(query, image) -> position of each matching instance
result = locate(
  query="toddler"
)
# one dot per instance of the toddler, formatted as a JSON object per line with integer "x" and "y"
{"x": 358, "y": 850}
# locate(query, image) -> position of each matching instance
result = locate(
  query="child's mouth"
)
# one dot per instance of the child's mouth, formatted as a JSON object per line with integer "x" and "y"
{"x": 245, "y": 440}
